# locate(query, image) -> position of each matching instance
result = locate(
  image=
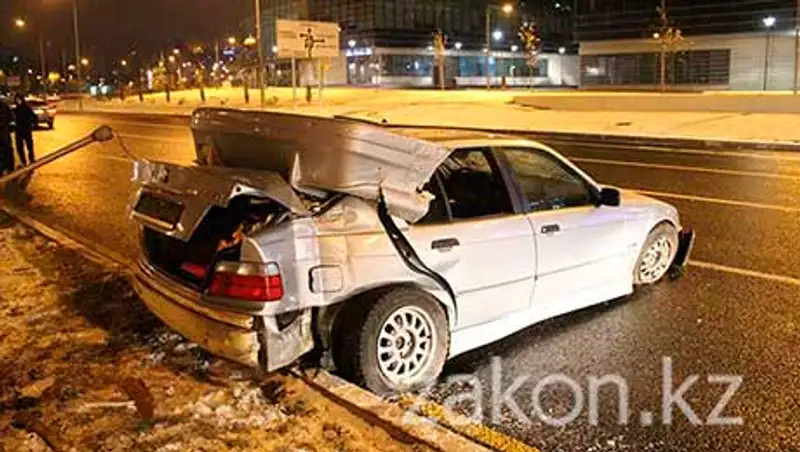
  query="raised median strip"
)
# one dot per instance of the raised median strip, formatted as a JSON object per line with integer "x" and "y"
{"x": 416, "y": 422}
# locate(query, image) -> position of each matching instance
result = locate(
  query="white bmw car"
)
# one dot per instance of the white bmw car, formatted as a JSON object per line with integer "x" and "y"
{"x": 390, "y": 250}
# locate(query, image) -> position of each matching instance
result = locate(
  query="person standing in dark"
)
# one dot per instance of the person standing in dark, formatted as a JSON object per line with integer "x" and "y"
{"x": 26, "y": 120}
{"x": 6, "y": 151}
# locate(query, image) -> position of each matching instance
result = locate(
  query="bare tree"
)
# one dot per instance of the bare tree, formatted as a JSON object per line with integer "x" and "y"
{"x": 530, "y": 43}
{"x": 439, "y": 43}
{"x": 670, "y": 40}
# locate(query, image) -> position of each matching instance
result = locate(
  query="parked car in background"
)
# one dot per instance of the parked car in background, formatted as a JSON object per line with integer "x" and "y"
{"x": 391, "y": 250}
{"x": 45, "y": 111}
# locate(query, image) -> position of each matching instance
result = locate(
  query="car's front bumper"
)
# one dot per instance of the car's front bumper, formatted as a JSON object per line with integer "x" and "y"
{"x": 253, "y": 341}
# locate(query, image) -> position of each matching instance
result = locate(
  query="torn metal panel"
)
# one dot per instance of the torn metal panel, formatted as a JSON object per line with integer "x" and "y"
{"x": 279, "y": 348}
{"x": 325, "y": 154}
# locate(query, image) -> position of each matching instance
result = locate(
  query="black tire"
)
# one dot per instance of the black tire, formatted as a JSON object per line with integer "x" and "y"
{"x": 355, "y": 347}
{"x": 50, "y": 125}
{"x": 662, "y": 231}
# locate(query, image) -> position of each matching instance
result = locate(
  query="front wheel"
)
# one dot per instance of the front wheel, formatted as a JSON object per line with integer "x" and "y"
{"x": 657, "y": 254}
{"x": 398, "y": 342}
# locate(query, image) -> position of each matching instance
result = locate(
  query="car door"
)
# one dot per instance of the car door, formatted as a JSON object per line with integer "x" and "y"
{"x": 582, "y": 256}
{"x": 477, "y": 239}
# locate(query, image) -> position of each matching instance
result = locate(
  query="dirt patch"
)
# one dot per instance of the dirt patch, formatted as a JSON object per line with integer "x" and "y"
{"x": 85, "y": 366}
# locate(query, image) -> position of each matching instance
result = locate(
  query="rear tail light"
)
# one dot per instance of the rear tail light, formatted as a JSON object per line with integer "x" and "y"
{"x": 247, "y": 281}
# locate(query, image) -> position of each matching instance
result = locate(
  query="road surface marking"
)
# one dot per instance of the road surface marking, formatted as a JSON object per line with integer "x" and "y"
{"x": 153, "y": 138}
{"x": 131, "y": 122}
{"x": 695, "y": 169}
{"x": 156, "y": 125}
{"x": 760, "y": 155}
{"x": 115, "y": 158}
{"x": 728, "y": 202}
{"x": 743, "y": 272}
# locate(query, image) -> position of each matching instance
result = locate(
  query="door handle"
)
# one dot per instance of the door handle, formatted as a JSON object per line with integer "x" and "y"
{"x": 445, "y": 244}
{"x": 551, "y": 229}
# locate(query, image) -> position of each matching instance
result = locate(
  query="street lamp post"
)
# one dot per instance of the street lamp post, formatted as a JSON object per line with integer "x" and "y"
{"x": 21, "y": 24}
{"x": 260, "y": 44}
{"x": 507, "y": 9}
{"x": 796, "y": 44}
{"x": 42, "y": 56}
{"x": 78, "y": 59}
{"x": 769, "y": 22}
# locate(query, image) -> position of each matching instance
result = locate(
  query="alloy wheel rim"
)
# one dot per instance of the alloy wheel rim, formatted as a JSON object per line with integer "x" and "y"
{"x": 655, "y": 261}
{"x": 406, "y": 344}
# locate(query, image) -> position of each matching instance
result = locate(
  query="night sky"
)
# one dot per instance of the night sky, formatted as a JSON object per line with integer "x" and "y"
{"x": 110, "y": 28}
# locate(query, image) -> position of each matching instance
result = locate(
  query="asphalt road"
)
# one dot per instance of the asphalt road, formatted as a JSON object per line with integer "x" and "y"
{"x": 736, "y": 313}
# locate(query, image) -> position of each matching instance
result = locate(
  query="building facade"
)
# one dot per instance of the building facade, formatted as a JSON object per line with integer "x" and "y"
{"x": 727, "y": 45}
{"x": 390, "y": 42}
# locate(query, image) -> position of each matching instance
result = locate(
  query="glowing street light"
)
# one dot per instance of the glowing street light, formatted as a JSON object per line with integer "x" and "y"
{"x": 562, "y": 50}
{"x": 514, "y": 48}
{"x": 20, "y": 22}
{"x": 768, "y": 22}
{"x": 84, "y": 61}
{"x": 351, "y": 43}
{"x": 506, "y": 9}
{"x": 275, "y": 49}
{"x": 458, "y": 45}
{"x": 176, "y": 51}
{"x": 249, "y": 41}
{"x": 123, "y": 63}
{"x": 232, "y": 40}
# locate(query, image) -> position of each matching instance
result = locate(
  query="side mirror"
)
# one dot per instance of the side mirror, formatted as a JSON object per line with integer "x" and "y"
{"x": 610, "y": 197}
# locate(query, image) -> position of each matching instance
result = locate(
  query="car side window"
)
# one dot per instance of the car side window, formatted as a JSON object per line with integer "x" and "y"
{"x": 547, "y": 183}
{"x": 467, "y": 185}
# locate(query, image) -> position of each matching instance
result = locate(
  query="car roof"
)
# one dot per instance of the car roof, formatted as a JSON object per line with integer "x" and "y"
{"x": 440, "y": 135}
{"x": 456, "y": 138}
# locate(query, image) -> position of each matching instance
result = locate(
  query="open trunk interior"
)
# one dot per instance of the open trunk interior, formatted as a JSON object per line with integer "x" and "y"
{"x": 216, "y": 238}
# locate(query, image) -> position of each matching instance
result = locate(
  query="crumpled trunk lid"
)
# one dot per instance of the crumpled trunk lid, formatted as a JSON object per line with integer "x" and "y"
{"x": 318, "y": 153}
{"x": 173, "y": 199}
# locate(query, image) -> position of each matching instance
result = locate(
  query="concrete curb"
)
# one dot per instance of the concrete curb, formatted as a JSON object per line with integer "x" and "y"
{"x": 399, "y": 419}
{"x": 629, "y": 140}
{"x": 392, "y": 416}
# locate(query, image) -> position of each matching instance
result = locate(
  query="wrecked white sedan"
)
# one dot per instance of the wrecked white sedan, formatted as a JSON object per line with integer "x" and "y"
{"x": 388, "y": 250}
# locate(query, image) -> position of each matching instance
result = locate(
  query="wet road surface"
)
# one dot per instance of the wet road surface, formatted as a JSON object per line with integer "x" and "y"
{"x": 735, "y": 316}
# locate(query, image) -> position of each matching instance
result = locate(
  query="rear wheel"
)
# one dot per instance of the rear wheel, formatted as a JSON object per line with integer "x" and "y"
{"x": 51, "y": 125}
{"x": 396, "y": 342}
{"x": 657, "y": 254}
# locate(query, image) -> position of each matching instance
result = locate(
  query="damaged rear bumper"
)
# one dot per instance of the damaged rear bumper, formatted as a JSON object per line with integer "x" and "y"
{"x": 252, "y": 341}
